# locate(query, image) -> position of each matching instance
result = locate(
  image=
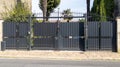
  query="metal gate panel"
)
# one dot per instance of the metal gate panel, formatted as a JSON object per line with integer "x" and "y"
{"x": 93, "y": 44}
{"x": 44, "y": 43}
{"x": 106, "y": 29}
{"x": 45, "y": 29}
{"x": 23, "y": 29}
{"x": 100, "y": 36}
{"x": 15, "y": 35}
{"x": 9, "y": 29}
{"x": 68, "y": 32}
{"x": 45, "y": 34}
{"x": 106, "y": 35}
{"x": 106, "y": 44}
{"x": 10, "y": 42}
{"x": 93, "y": 36}
{"x": 22, "y": 43}
{"x": 16, "y": 43}
{"x": 69, "y": 29}
{"x": 93, "y": 29}
{"x": 71, "y": 44}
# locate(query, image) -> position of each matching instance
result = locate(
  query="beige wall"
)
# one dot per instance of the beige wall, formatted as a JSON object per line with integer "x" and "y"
{"x": 118, "y": 34}
{"x": 1, "y": 31}
{"x": 9, "y": 4}
{"x": 29, "y": 2}
{"x": 3, "y": 3}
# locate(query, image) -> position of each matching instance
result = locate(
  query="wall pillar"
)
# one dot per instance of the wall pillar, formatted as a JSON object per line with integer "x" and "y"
{"x": 1, "y": 32}
{"x": 118, "y": 34}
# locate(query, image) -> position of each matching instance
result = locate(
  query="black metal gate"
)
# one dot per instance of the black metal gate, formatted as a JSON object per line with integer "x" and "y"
{"x": 15, "y": 35}
{"x": 44, "y": 35}
{"x": 65, "y": 36}
{"x": 101, "y": 36}
{"x": 61, "y": 36}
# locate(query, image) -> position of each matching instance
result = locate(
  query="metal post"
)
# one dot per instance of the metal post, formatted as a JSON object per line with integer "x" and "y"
{"x": 99, "y": 35}
{"x": 86, "y": 31}
{"x": 57, "y": 35}
{"x": 17, "y": 36}
{"x": 114, "y": 39}
{"x": 3, "y": 46}
{"x": 30, "y": 33}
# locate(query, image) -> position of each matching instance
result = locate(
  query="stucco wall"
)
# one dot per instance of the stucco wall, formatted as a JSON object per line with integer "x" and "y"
{"x": 118, "y": 34}
{"x": 1, "y": 31}
{"x": 6, "y": 5}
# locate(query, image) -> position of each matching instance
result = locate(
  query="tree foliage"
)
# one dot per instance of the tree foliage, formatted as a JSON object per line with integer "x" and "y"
{"x": 102, "y": 10}
{"x": 17, "y": 14}
{"x": 67, "y": 15}
{"x": 51, "y": 5}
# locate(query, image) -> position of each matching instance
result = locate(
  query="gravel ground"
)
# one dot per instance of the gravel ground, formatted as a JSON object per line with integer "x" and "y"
{"x": 62, "y": 55}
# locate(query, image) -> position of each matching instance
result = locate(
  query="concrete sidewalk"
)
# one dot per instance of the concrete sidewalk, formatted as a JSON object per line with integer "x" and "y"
{"x": 61, "y": 55}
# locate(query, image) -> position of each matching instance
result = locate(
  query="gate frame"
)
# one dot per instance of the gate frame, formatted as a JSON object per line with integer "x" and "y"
{"x": 85, "y": 31}
{"x": 58, "y": 22}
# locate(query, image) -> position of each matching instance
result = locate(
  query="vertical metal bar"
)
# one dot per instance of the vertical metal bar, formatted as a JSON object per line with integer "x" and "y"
{"x": 17, "y": 36}
{"x": 86, "y": 31}
{"x": 59, "y": 37}
{"x": 81, "y": 41}
{"x": 58, "y": 14}
{"x": 114, "y": 37}
{"x": 30, "y": 32}
{"x": 100, "y": 36}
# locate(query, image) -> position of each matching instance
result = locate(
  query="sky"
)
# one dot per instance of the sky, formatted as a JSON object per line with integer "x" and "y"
{"x": 74, "y": 5}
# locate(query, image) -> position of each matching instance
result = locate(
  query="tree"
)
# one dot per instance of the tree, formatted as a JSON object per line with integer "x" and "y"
{"x": 18, "y": 1}
{"x": 116, "y": 6}
{"x": 17, "y": 14}
{"x": 95, "y": 11}
{"x": 103, "y": 10}
{"x": 67, "y": 15}
{"x": 51, "y": 5}
{"x": 43, "y": 7}
{"x": 110, "y": 6}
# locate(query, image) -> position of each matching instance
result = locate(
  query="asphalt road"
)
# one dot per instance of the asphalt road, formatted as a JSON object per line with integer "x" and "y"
{"x": 56, "y": 63}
